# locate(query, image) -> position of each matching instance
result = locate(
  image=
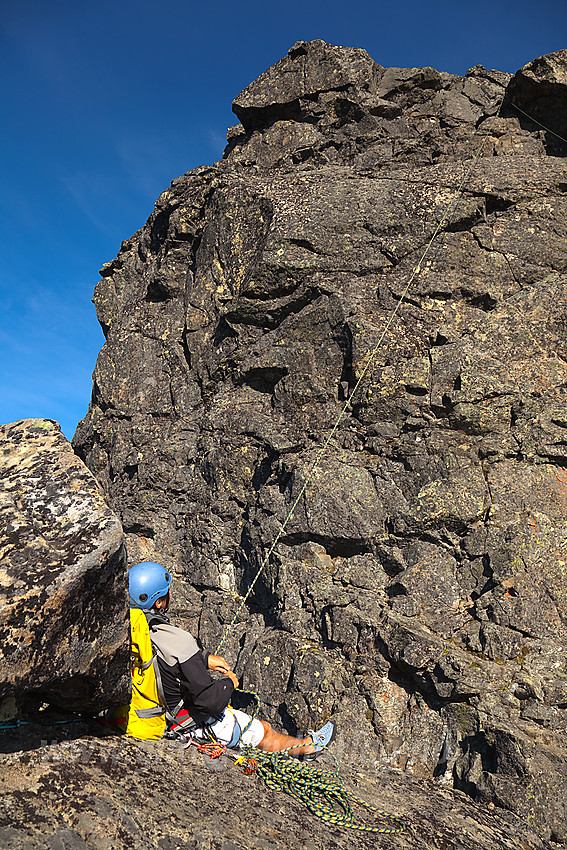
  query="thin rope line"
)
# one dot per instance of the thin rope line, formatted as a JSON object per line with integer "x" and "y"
{"x": 535, "y": 121}
{"x": 373, "y": 353}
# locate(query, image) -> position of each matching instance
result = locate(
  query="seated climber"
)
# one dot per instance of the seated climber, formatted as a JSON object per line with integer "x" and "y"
{"x": 196, "y": 703}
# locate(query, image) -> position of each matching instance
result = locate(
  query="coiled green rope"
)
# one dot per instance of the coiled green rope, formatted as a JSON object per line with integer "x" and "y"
{"x": 321, "y": 790}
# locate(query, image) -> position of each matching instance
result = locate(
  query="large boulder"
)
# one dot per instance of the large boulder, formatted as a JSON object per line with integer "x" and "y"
{"x": 418, "y": 592}
{"x": 63, "y": 599}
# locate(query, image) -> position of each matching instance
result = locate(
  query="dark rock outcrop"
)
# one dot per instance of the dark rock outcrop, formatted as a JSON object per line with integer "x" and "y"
{"x": 538, "y": 94}
{"x": 63, "y": 617}
{"x": 419, "y": 592}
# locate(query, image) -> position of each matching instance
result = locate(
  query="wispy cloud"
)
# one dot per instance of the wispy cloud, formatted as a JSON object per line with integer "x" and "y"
{"x": 148, "y": 161}
{"x": 217, "y": 141}
{"x": 100, "y": 198}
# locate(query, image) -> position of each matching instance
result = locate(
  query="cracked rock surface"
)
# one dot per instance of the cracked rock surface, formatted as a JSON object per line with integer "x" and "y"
{"x": 418, "y": 594}
{"x": 81, "y": 791}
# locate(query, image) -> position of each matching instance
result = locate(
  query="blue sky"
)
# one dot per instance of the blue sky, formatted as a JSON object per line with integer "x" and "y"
{"x": 103, "y": 104}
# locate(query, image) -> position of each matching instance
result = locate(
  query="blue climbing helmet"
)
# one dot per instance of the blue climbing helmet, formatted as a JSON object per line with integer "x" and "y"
{"x": 148, "y": 582}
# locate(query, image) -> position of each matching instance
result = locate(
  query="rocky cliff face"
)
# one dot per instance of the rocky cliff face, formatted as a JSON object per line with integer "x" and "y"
{"x": 63, "y": 604}
{"x": 419, "y": 592}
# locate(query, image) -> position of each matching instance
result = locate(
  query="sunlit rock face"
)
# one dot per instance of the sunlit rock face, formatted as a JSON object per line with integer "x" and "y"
{"x": 63, "y": 600}
{"x": 418, "y": 594}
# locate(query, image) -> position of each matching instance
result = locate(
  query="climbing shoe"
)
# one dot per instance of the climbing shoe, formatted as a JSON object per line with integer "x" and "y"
{"x": 321, "y": 739}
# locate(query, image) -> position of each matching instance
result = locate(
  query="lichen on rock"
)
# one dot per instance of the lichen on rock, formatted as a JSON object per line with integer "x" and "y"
{"x": 63, "y": 602}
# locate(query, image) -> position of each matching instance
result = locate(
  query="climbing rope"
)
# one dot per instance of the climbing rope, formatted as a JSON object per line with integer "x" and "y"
{"x": 322, "y": 791}
{"x": 15, "y": 722}
{"x": 535, "y": 121}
